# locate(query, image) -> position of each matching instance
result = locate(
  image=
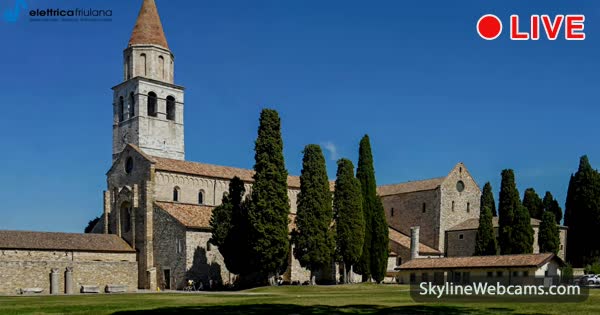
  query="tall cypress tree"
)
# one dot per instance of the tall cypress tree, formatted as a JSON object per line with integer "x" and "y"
{"x": 375, "y": 249}
{"x": 487, "y": 199}
{"x": 349, "y": 218}
{"x": 551, "y": 205}
{"x": 509, "y": 202}
{"x": 312, "y": 237}
{"x": 485, "y": 239}
{"x": 548, "y": 234}
{"x": 229, "y": 226}
{"x": 270, "y": 206}
{"x": 533, "y": 203}
{"x": 522, "y": 232}
{"x": 583, "y": 209}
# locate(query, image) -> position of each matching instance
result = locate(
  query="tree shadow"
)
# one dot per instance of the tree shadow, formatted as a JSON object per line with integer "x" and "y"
{"x": 209, "y": 274}
{"x": 260, "y": 309}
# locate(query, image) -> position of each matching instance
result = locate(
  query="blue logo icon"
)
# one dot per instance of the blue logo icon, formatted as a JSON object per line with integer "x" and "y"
{"x": 12, "y": 15}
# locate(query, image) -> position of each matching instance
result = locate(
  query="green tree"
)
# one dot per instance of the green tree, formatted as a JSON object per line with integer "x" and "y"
{"x": 349, "y": 219}
{"x": 375, "y": 249}
{"x": 487, "y": 199}
{"x": 270, "y": 207}
{"x": 533, "y": 203}
{"x": 548, "y": 234}
{"x": 312, "y": 237}
{"x": 551, "y": 205}
{"x": 583, "y": 215}
{"x": 485, "y": 239}
{"x": 522, "y": 233}
{"x": 229, "y": 226}
{"x": 91, "y": 224}
{"x": 508, "y": 205}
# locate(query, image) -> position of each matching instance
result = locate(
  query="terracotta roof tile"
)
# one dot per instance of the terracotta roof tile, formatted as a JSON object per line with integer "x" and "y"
{"x": 524, "y": 260}
{"x": 190, "y": 215}
{"x": 404, "y": 241}
{"x": 63, "y": 241}
{"x": 148, "y": 28}
{"x": 402, "y": 188}
{"x": 217, "y": 171}
{"x": 473, "y": 224}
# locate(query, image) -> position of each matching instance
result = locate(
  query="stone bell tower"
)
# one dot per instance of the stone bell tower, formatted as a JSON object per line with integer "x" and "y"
{"x": 147, "y": 105}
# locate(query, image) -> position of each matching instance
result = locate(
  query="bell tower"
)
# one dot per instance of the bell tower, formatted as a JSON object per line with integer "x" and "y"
{"x": 148, "y": 105}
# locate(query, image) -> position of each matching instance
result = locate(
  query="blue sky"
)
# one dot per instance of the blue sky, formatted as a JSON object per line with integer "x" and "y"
{"x": 414, "y": 75}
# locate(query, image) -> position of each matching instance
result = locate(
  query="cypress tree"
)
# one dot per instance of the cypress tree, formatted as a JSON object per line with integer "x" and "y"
{"x": 229, "y": 226}
{"x": 583, "y": 209}
{"x": 312, "y": 237}
{"x": 522, "y": 233}
{"x": 349, "y": 219}
{"x": 270, "y": 206}
{"x": 375, "y": 249}
{"x": 508, "y": 205}
{"x": 487, "y": 199}
{"x": 485, "y": 239}
{"x": 548, "y": 234}
{"x": 533, "y": 203}
{"x": 551, "y": 205}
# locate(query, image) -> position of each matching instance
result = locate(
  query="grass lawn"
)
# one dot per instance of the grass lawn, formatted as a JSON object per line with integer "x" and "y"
{"x": 356, "y": 299}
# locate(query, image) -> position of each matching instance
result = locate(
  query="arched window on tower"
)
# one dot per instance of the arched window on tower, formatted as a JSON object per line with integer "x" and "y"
{"x": 120, "y": 109}
{"x": 152, "y": 104}
{"x": 201, "y": 197}
{"x": 161, "y": 67}
{"x": 170, "y": 108}
{"x": 131, "y": 105}
{"x": 143, "y": 64}
{"x": 176, "y": 194}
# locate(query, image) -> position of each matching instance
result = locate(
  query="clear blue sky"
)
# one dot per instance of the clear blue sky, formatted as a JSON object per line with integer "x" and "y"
{"x": 414, "y": 75}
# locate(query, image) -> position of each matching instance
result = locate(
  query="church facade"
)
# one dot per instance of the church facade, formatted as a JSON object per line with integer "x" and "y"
{"x": 154, "y": 231}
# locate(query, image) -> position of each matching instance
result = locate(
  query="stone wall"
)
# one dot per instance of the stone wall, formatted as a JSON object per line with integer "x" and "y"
{"x": 211, "y": 188}
{"x": 31, "y": 269}
{"x": 457, "y": 206}
{"x": 408, "y": 212}
{"x": 465, "y": 246}
{"x": 203, "y": 261}
{"x": 169, "y": 250}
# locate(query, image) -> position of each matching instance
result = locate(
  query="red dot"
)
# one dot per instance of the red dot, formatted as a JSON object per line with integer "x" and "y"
{"x": 489, "y": 27}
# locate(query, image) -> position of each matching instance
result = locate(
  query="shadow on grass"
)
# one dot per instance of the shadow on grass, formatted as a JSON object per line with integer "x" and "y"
{"x": 317, "y": 309}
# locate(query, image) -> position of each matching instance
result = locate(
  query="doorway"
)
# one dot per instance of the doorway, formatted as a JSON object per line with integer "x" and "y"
{"x": 167, "y": 277}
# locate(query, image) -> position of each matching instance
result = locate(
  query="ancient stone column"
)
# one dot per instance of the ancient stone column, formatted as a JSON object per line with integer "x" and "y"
{"x": 69, "y": 280}
{"x": 54, "y": 276}
{"x": 414, "y": 242}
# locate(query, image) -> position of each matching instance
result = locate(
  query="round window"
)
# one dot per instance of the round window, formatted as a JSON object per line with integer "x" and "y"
{"x": 128, "y": 165}
{"x": 460, "y": 186}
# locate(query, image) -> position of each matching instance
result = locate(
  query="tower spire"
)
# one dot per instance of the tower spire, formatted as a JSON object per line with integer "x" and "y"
{"x": 148, "y": 28}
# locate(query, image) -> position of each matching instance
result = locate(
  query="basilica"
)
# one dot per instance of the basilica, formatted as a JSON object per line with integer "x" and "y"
{"x": 154, "y": 231}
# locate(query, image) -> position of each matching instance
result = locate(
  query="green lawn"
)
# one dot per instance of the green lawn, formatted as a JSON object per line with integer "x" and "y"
{"x": 357, "y": 299}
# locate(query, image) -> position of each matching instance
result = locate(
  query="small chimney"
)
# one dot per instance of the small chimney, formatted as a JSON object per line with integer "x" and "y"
{"x": 414, "y": 242}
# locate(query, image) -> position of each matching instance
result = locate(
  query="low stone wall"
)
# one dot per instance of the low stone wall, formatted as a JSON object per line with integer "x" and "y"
{"x": 15, "y": 275}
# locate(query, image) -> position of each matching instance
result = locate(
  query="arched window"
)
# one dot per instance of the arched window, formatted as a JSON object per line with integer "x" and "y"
{"x": 120, "y": 109}
{"x": 152, "y": 104}
{"x": 170, "y": 108}
{"x": 161, "y": 66}
{"x": 143, "y": 62}
{"x": 131, "y": 105}
{"x": 201, "y": 197}
{"x": 126, "y": 216}
{"x": 176, "y": 194}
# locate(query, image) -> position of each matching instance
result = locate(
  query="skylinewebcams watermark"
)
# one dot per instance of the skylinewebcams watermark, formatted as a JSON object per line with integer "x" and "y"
{"x": 531, "y": 290}
{"x": 491, "y": 289}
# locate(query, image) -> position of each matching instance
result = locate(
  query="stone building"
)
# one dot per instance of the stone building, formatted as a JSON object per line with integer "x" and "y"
{"x": 434, "y": 205}
{"x": 461, "y": 238}
{"x": 32, "y": 261}
{"x": 505, "y": 269}
{"x": 154, "y": 231}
